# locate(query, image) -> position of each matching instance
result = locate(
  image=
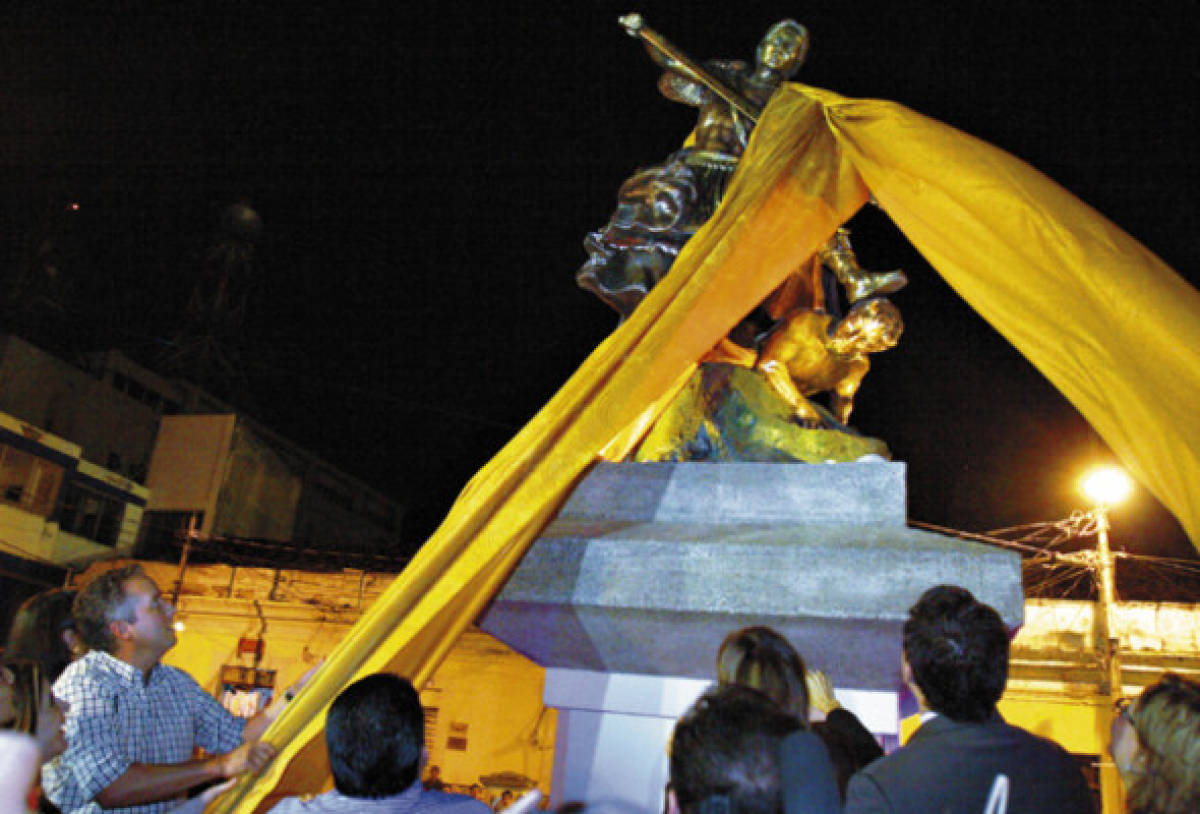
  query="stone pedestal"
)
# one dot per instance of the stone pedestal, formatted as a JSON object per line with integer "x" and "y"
{"x": 628, "y": 593}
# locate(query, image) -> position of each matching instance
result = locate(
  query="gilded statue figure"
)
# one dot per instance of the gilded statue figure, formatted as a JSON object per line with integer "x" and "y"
{"x": 812, "y": 352}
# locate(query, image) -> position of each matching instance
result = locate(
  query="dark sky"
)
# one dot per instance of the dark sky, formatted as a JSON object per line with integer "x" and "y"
{"x": 426, "y": 174}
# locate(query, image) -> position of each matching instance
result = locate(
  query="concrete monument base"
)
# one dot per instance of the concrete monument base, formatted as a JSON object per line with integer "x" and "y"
{"x": 628, "y": 593}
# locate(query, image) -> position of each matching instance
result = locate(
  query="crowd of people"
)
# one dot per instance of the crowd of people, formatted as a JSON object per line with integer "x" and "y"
{"x": 96, "y": 723}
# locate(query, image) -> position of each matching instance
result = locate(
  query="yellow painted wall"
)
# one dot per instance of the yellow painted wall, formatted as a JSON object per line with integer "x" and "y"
{"x": 497, "y": 693}
{"x": 482, "y": 683}
{"x": 1078, "y": 725}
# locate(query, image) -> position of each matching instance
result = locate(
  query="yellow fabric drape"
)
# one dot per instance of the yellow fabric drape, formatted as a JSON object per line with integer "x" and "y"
{"x": 1106, "y": 321}
{"x": 1083, "y": 301}
{"x": 788, "y": 197}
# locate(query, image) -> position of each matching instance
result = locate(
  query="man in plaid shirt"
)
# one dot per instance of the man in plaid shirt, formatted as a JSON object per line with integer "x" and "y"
{"x": 133, "y": 723}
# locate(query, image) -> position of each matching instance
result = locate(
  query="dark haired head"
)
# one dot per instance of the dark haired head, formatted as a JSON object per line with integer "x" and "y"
{"x": 101, "y": 603}
{"x": 375, "y": 732}
{"x": 725, "y": 753}
{"x": 763, "y": 660}
{"x": 39, "y": 629}
{"x": 957, "y": 649}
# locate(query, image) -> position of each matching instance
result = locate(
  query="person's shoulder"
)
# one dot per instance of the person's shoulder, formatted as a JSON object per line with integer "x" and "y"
{"x": 1045, "y": 748}
{"x": 288, "y": 805}
{"x": 90, "y": 677}
{"x": 303, "y": 805}
{"x": 74, "y": 673}
{"x": 446, "y": 801}
{"x": 174, "y": 675}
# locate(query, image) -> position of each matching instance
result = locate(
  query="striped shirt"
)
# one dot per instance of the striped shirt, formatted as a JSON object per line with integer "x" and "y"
{"x": 413, "y": 800}
{"x": 116, "y": 718}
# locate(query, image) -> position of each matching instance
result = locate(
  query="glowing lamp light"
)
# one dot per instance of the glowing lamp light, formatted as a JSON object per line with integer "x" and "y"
{"x": 1106, "y": 486}
{"x": 180, "y": 627}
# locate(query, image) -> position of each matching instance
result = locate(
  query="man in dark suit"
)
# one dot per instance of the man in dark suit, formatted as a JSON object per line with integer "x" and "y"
{"x": 956, "y": 663}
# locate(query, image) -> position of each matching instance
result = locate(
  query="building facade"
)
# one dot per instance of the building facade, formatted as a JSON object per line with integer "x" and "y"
{"x": 57, "y": 507}
{"x": 204, "y": 462}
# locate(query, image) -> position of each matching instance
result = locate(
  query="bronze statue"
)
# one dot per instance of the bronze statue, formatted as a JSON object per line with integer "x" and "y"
{"x": 730, "y": 96}
{"x": 748, "y": 399}
{"x": 803, "y": 356}
{"x": 659, "y": 208}
{"x": 838, "y": 256}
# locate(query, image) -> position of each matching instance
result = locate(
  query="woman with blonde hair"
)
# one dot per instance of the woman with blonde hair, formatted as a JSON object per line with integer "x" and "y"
{"x": 763, "y": 660}
{"x": 1156, "y": 747}
{"x": 838, "y": 745}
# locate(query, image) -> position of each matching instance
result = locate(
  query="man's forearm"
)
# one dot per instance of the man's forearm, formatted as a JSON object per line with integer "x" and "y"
{"x": 147, "y": 783}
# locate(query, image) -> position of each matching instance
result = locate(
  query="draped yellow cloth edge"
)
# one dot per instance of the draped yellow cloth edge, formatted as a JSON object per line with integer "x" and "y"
{"x": 1108, "y": 323}
{"x": 957, "y": 199}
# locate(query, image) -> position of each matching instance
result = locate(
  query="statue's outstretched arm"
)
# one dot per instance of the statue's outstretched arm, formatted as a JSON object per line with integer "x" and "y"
{"x": 675, "y": 60}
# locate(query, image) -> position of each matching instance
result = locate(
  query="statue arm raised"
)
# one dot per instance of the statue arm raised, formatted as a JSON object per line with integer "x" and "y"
{"x": 675, "y": 60}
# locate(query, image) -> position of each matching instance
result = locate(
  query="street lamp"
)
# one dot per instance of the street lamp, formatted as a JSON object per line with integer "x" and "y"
{"x": 1105, "y": 487}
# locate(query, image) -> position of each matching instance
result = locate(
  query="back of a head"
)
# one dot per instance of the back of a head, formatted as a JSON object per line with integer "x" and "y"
{"x": 1167, "y": 721}
{"x": 957, "y": 649}
{"x": 762, "y": 659}
{"x": 37, "y": 631}
{"x": 375, "y": 732}
{"x": 725, "y": 753}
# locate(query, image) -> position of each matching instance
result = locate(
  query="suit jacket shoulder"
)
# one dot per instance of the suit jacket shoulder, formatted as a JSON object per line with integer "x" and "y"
{"x": 950, "y": 767}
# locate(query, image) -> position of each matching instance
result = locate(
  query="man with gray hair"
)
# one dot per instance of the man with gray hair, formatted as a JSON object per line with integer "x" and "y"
{"x": 133, "y": 723}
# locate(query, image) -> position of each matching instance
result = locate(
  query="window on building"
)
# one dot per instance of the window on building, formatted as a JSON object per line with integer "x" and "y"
{"x": 28, "y": 481}
{"x": 88, "y": 513}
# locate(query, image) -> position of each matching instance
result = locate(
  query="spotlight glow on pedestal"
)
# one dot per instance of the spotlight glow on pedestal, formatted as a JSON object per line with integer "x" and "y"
{"x": 1106, "y": 485}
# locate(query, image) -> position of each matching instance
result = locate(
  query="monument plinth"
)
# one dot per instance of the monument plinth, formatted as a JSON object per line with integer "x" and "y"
{"x": 628, "y": 593}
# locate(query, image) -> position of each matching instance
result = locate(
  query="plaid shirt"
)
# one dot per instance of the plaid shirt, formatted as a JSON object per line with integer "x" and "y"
{"x": 116, "y": 719}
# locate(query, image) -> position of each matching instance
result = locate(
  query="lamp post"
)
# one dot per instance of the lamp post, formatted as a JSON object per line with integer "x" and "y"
{"x": 1105, "y": 487}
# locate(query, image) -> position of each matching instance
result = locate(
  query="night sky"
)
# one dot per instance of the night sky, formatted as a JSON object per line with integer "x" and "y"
{"x": 426, "y": 174}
